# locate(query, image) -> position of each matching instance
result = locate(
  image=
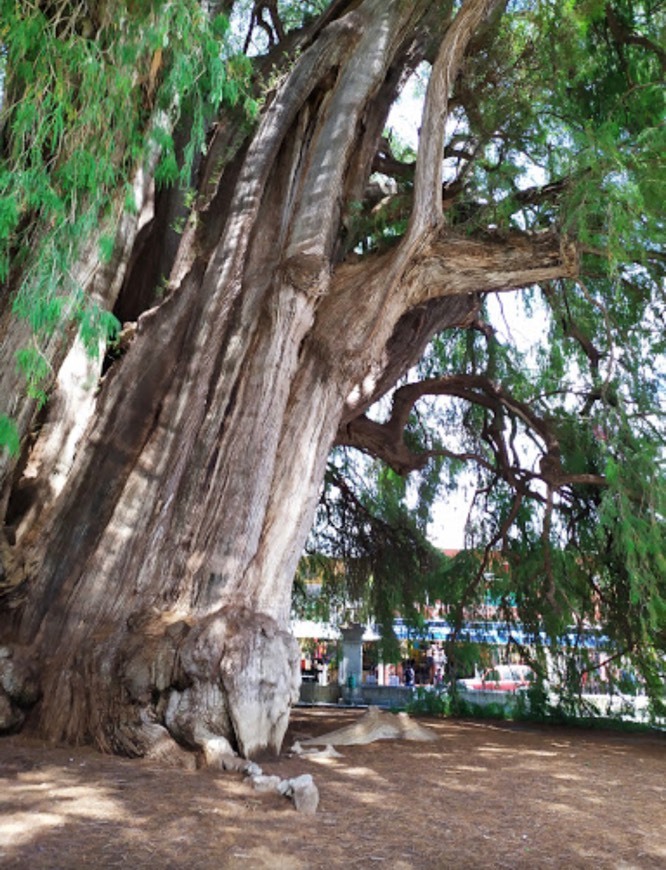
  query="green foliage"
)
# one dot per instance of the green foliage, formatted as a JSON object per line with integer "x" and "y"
{"x": 375, "y": 544}
{"x": 89, "y": 94}
{"x": 532, "y": 705}
{"x": 320, "y": 588}
{"x": 429, "y": 702}
{"x": 96, "y": 326}
{"x": 466, "y": 709}
{"x": 535, "y": 703}
{"x": 9, "y": 436}
{"x": 569, "y": 93}
{"x": 36, "y": 370}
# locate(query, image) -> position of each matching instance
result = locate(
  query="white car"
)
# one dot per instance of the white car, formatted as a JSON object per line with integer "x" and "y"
{"x": 501, "y": 678}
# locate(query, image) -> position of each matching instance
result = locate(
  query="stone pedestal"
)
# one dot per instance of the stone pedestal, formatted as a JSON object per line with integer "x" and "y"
{"x": 351, "y": 668}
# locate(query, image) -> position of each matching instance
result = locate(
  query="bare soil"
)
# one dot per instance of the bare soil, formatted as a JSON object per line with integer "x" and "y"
{"x": 483, "y": 795}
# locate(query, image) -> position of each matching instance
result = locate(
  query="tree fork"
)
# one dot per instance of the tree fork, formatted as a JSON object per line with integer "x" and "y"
{"x": 160, "y": 599}
{"x": 166, "y": 505}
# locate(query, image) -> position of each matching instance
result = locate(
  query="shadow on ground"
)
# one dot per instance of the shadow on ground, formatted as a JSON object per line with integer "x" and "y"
{"x": 482, "y": 795}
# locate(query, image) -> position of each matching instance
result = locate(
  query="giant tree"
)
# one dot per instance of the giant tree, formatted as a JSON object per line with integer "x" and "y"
{"x": 278, "y": 265}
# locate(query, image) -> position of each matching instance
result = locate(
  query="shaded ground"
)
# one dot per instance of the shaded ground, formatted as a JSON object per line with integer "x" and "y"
{"x": 481, "y": 796}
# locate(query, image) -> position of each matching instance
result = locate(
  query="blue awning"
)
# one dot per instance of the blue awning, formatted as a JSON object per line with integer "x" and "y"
{"x": 494, "y": 634}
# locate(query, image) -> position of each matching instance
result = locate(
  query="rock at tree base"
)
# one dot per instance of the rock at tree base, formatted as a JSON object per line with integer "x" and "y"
{"x": 263, "y": 783}
{"x": 375, "y": 725}
{"x": 304, "y": 792}
{"x": 301, "y": 789}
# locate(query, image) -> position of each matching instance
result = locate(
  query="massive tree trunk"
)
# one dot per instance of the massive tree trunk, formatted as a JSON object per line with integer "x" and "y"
{"x": 155, "y": 591}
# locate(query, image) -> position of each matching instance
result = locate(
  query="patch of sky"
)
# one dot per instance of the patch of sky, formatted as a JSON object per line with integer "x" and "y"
{"x": 250, "y": 32}
{"x": 240, "y": 21}
{"x": 404, "y": 119}
{"x": 521, "y": 319}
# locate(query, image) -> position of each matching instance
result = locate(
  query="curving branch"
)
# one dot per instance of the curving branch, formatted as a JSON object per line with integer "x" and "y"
{"x": 386, "y": 440}
{"x": 274, "y": 30}
{"x": 409, "y": 340}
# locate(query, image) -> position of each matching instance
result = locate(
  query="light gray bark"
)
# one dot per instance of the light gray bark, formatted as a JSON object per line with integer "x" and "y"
{"x": 158, "y": 587}
{"x": 75, "y": 373}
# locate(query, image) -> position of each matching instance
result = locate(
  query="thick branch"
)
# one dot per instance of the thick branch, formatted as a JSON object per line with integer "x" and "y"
{"x": 444, "y": 279}
{"x": 386, "y": 440}
{"x": 314, "y": 230}
{"x": 428, "y": 179}
{"x": 453, "y": 264}
{"x": 409, "y": 340}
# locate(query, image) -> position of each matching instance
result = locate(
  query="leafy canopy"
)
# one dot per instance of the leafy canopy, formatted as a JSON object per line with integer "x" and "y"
{"x": 557, "y": 125}
{"x": 92, "y": 94}
{"x": 554, "y": 400}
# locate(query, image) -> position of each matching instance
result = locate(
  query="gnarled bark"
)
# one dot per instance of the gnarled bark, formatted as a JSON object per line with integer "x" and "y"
{"x": 158, "y": 589}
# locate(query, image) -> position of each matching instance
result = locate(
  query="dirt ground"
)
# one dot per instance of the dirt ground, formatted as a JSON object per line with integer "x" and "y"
{"x": 483, "y": 795}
